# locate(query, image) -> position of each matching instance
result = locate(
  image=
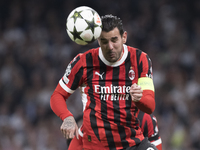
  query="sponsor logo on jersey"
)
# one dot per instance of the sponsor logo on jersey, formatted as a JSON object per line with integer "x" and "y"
{"x": 100, "y": 75}
{"x": 113, "y": 93}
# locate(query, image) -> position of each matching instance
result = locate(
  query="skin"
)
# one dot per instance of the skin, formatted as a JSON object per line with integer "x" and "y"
{"x": 111, "y": 44}
{"x": 69, "y": 128}
{"x": 136, "y": 92}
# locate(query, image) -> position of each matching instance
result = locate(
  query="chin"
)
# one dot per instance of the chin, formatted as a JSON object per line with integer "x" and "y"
{"x": 113, "y": 60}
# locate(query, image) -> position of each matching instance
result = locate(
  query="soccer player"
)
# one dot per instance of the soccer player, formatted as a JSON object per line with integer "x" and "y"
{"x": 116, "y": 81}
{"x": 148, "y": 124}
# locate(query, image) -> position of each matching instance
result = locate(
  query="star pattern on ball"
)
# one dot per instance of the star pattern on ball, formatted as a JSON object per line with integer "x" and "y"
{"x": 91, "y": 25}
{"x": 77, "y": 14}
{"x": 83, "y": 25}
{"x": 76, "y": 34}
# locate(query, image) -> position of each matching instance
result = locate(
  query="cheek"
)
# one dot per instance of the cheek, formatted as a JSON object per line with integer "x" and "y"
{"x": 118, "y": 46}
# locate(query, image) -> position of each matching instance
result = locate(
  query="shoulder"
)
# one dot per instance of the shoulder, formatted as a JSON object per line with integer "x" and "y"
{"x": 131, "y": 49}
{"x": 83, "y": 56}
{"x": 92, "y": 52}
{"x": 136, "y": 51}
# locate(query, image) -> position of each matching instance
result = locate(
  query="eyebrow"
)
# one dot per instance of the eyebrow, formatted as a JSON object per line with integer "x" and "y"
{"x": 113, "y": 38}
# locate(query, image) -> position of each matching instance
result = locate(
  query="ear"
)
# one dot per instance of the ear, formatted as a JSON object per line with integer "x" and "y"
{"x": 124, "y": 37}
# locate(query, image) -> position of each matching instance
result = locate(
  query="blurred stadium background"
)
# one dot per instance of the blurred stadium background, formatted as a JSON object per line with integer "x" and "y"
{"x": 35, "y": 50}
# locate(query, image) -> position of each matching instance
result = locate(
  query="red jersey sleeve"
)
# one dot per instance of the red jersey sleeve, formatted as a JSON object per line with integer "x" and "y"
{"x": 147, "y": 102}
{"x": 58, "y": 102}
{"x": 71, "y": 80}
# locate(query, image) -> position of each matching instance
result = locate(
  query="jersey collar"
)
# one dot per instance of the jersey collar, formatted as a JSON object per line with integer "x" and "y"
{"x": 115, "y": 64}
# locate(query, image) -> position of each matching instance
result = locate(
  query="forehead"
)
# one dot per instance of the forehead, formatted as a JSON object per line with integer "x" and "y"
{"x": 109, "y": 35}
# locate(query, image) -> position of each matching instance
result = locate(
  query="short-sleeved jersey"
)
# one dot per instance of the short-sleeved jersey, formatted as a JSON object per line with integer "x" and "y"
{"x": 109, "y": 113}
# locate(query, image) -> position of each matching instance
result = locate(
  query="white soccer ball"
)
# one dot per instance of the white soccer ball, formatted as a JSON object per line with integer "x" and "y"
{"x": 83, "y": 25}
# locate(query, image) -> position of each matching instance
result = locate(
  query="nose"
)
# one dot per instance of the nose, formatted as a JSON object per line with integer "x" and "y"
{"x": 110, "y": 45}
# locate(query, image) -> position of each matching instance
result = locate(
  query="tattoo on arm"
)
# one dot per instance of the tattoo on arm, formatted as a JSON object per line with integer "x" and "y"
{"x": 69, "y": 123}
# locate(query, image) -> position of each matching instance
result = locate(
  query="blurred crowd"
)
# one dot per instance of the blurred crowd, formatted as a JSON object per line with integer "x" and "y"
{"x": 35, "y": 51}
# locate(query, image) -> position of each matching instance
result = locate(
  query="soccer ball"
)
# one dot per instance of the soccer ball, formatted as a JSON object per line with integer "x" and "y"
{"x": 83, "y": 25}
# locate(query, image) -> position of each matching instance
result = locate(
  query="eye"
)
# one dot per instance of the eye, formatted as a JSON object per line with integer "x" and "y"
{"x": 104, "y": 41}
{"x": 114, "y": 40}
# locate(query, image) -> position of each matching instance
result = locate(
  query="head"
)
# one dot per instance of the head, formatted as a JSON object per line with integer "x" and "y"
{"x": 112, "y": 38}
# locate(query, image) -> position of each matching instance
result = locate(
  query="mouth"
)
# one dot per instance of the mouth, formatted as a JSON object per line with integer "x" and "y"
{"x": 111, "y": 55}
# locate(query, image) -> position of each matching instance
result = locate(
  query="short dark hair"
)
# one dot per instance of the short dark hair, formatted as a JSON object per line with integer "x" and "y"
{"x": 109, "y": 22}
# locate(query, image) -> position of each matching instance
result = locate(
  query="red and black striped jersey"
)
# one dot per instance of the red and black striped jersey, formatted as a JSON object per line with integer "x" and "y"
{"x": 109, "y": 113}
{"x": 149, "y": 127}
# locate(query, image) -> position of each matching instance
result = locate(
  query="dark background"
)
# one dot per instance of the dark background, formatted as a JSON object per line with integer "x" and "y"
{"x": 35, "y": 51}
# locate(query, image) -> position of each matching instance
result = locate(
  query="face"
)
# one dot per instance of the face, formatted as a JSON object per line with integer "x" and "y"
{"x": 111, "y": 44}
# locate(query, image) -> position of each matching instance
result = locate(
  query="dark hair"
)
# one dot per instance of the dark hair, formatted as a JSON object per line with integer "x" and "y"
{"x": 109, "y": 22}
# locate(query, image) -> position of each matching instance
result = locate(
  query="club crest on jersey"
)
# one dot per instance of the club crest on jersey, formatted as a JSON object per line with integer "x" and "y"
{"x": 131, "y": 74}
